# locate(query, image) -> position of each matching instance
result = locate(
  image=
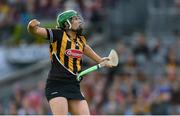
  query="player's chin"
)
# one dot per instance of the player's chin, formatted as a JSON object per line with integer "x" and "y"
{"x": 79, "y": 28}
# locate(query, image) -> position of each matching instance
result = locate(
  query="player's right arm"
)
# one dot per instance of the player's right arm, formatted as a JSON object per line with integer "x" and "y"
{"x": 35, "y": 29}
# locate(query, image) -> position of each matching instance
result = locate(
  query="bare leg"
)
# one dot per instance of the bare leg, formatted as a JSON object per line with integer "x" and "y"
{"x": 59, "y": 106}
{"x": 78, "y": 107}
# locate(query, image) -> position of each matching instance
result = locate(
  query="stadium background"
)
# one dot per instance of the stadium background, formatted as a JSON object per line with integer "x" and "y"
{"x": 144, "y": 32}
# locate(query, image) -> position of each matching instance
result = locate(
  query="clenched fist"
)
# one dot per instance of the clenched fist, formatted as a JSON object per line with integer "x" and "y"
{"x": 105, "y": 62}
{"x": 33, "y": 23}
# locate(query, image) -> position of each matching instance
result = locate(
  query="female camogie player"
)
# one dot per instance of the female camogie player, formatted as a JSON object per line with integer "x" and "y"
{"x": 67, "y": 46}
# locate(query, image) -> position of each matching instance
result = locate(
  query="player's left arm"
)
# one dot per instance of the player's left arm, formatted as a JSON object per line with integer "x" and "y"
{"x": 88, "y": 51}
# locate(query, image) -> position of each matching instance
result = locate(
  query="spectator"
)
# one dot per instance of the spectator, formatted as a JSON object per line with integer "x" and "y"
{"x": 141, "y": 48}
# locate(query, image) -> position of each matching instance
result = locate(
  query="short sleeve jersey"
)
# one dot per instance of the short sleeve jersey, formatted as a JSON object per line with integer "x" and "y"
{"x": 65, "y": 54}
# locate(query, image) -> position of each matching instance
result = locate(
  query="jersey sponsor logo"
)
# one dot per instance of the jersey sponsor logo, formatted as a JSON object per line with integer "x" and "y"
{"x": 74, "y": 53}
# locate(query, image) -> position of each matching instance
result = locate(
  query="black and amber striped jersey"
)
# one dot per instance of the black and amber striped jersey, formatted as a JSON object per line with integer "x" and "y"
{"x": 65, "y": 54}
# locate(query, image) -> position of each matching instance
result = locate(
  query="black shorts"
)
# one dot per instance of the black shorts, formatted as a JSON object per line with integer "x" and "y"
{"x": 63, "y": 88}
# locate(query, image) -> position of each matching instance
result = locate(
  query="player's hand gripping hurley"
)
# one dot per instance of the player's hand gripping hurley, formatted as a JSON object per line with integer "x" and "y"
{"x": 113, "y": 60}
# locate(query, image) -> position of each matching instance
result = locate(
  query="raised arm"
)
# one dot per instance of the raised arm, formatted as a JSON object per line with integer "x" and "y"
{"x": 35, "y": 29}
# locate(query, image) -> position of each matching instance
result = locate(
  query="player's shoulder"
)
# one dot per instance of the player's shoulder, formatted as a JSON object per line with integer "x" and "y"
{"x": 83, "y": 36}
{"x": 54, "y": 34}
{"x": 56, "y": 30}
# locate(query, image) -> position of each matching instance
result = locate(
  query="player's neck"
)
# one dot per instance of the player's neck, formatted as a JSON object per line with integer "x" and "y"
{"x": 72, "y": 35}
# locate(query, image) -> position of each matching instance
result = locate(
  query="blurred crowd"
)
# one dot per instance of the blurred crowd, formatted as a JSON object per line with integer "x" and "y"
{"x": 146, "y": 80}
{"x": 26, "y": 101}
{"x": 15, "y": 14}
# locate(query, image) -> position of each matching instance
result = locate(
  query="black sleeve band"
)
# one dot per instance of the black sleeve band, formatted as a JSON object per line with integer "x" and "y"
{"x": 50, "y": 35}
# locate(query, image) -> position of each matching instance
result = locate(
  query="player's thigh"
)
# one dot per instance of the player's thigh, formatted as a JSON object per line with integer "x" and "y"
{"x": 59, "y": 106}
{"x": 78, "y": 107}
